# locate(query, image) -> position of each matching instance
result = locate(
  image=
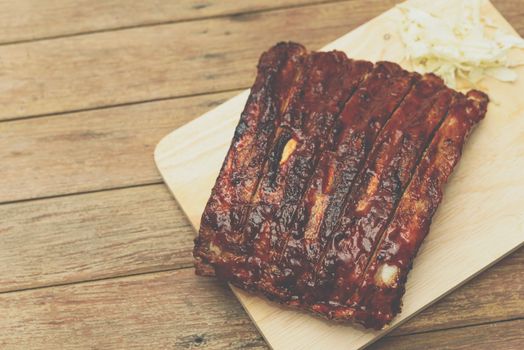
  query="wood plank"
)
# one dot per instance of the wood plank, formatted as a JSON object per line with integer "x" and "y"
{"x": 92, "y": 236}
{"x": 163, "y": 61}
{"x": 116, "y": 233}
{"x": 115, "y": 144}
{"x": 141, "y": 64}
{"x": 91, "y": 150}
{"x": 28, "y": 19}
{"x": 171, "y": 310}
{"x": 513, "y": 11}
{"x": 502, "y": 335}
{"x": 66, "y": 334}
{"x": 165, "y": 310}
{"x": 493, "y": 296}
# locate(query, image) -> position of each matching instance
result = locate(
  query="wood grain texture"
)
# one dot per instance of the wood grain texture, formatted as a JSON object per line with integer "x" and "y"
{"x": 170, "y": 310}
{"x": 29, "y": 19}
{"x": 162, "y": 61}
{"x": 90, "y": 150}
{"x": 174, "y": 309}
{"x": 116, "y": 150}
{"x": 462, "y": 242}
{"x": 495, "y": 295}
{"x": 141, "y": 230}
{"x": 513, "y": 11}
{"x": 92, "y": 236}
{"x": 135, "y": 230}
{"x": 25, "y": 20}
{"x": 500, "y": 336}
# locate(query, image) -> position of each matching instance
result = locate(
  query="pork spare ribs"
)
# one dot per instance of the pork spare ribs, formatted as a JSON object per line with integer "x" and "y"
{"x": 334, "y": 172}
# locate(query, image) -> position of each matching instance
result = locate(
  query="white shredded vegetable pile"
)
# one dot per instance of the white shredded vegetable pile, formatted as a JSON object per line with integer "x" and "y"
{"x": 456, "y": 43}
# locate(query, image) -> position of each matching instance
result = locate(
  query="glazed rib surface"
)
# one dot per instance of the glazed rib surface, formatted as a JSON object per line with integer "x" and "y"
{"x": 333, "y": 174}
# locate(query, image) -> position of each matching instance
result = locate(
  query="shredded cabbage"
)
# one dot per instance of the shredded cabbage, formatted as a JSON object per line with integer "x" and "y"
{"x": 456, "y": 43}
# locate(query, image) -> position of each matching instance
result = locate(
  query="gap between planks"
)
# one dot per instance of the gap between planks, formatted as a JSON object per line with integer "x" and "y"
{"x": 100, "y": 279}
{"x": 120, "y": 105}
{"x": 73, "y": 299}
{"x": 501, "y": 334}
{"x": 469, "y": 325}
{"x": 80, "y": 193}
{"x": 97, "y": 150}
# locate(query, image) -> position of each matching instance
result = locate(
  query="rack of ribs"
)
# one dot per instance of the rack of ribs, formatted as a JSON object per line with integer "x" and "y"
{"x": 334, "y": 173}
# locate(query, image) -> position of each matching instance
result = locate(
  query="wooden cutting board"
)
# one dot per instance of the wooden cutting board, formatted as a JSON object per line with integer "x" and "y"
{"x": 480, "y": 220}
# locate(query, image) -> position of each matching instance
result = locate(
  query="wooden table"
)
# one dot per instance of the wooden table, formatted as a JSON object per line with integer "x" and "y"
{"x": 94, "y": 252}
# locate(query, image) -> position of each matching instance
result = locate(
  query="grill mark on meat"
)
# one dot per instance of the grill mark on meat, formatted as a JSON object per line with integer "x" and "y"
{"x": 360, "y": 274}
{"x": 238, "y": 177}
{"x": 449, "y": 103}
{"x": 383, "y": 284}
{"x": 328, "y": 88}
{"x": 270, "y": 191}
{"x": 262, "y": 206}
{"x": 235, "y": 266}
{"x": 360, "y": 121}
{"x": 372, "y": 200}
{"x": 412, "y": 166}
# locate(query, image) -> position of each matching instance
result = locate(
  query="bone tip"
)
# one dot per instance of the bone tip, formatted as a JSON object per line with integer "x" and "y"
{"x": 387, "y": 275}
{"x": 289, "y": 148}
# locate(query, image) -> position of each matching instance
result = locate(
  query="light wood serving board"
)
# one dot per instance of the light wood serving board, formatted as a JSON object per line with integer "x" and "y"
{"x": 480, "y": 220}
